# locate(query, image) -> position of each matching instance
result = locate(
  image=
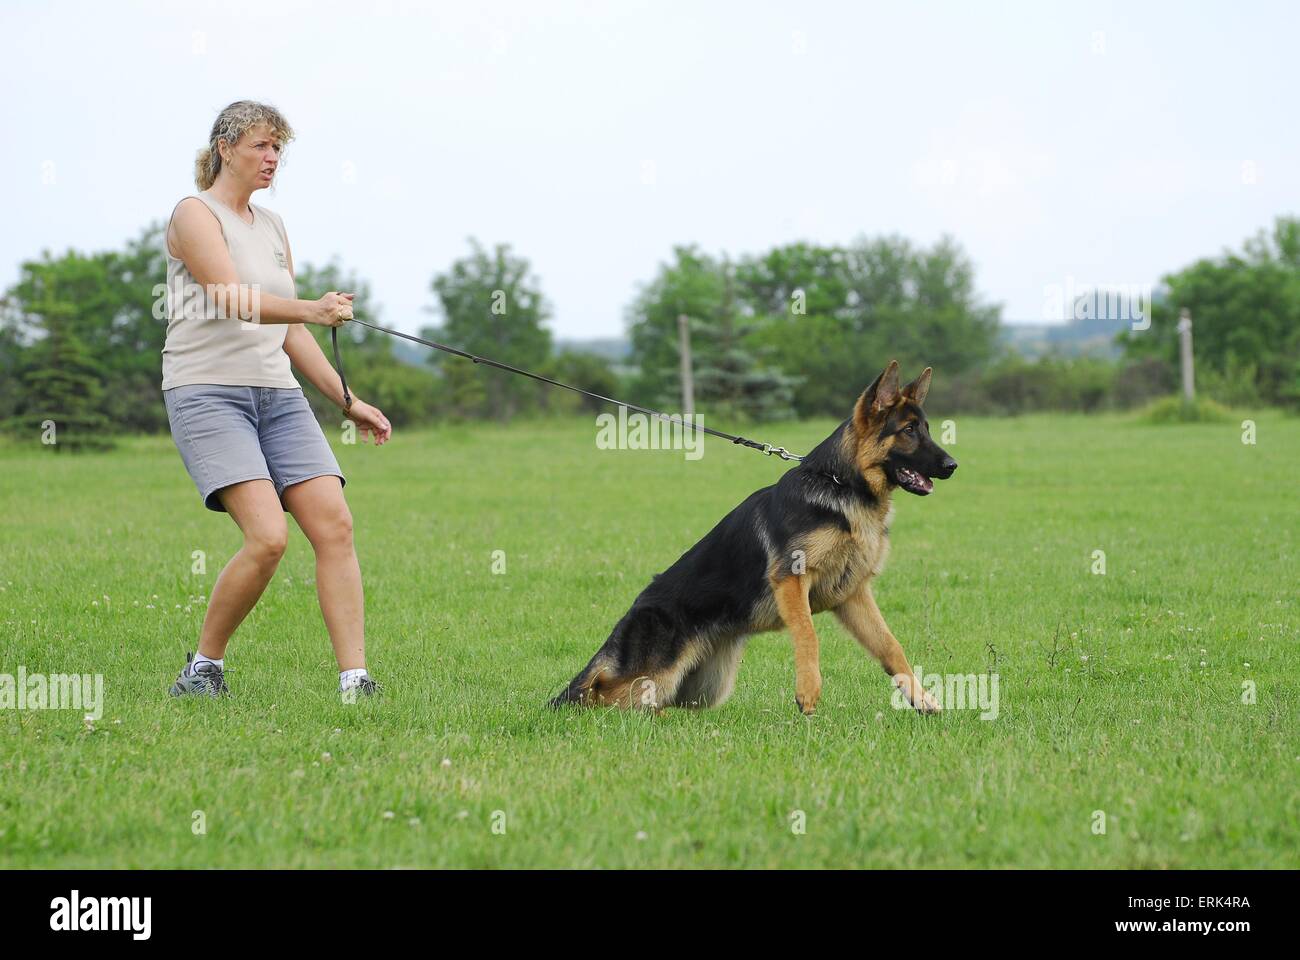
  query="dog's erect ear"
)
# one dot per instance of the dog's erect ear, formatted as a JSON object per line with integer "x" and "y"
{"x": 918, "y": 388}
{"x": 882, "y": 394}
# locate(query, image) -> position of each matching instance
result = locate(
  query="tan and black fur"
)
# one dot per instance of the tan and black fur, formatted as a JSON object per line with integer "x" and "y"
{"x": 813, "y": 541}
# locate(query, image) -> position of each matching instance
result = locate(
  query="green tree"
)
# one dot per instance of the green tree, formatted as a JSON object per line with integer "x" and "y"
{"x": 131, "y": 342}
{"x": 407, "y": 394}
{"x": 110, "y": 303}
{"x": 464, "y": 391}
{"x": 313, "y": 282}
{"x": 732, "y": 376}
{"x": 691, "y": 285}
{"x": 835, "y": 316}
{"x": 60, "y": 395}
{"x": 585, "y": 371}
{"x": 805, "y": 319}
{"x": 492, "y": 305}
{"x": 1245, "y": 310}
{"x": 11, "y": 349}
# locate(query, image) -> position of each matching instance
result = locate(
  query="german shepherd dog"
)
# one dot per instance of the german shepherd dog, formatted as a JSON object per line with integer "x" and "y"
{"x": 810, "y": 542}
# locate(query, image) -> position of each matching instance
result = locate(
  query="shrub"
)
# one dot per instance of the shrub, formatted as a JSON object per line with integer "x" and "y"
{"x": 1175, "y": 410}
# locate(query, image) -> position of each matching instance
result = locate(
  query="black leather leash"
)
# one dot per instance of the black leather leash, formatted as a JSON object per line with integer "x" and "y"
{"x": 338, "y": 365}
{"x": 765, "y": 448}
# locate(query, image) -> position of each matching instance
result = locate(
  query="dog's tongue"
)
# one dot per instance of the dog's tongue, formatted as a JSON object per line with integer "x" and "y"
{"x": 916, "y": 482}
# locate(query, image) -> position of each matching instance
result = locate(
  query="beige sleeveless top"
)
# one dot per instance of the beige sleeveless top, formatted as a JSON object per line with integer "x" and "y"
{"x": 202, "y": 347}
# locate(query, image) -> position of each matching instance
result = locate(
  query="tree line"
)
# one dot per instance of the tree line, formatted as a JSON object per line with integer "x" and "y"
{"x": 795, "y": 331}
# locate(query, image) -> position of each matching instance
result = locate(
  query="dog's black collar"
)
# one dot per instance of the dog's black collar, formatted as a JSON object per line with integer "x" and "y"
{"x": 852, "y": 486}
{"x": 835, "y": 479}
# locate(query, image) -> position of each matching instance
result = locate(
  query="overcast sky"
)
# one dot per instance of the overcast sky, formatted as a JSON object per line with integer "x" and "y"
{"x": 1091, "y": 143}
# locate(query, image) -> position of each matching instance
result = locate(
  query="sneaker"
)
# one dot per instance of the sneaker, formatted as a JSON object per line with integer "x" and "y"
{"x": 205, "y": 680}
{"x": 364, "y": 688}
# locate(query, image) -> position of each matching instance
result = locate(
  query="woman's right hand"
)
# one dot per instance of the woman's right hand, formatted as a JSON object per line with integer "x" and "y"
{"x": 332, "y": 310}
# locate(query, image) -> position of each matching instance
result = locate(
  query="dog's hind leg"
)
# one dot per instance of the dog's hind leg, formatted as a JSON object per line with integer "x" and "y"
{"x": 655, "y": 684}
{"x": 710, "y": 682}
{"x": 635, "y": 682}
{"x": 642, "y": 663}
{"x": 699, "y": 674}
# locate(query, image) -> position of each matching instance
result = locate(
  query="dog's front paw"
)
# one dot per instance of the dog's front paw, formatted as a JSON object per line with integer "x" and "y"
{"x": 807, "y": 691}
{"x": 925, "y": 703}
{"x": 922, "y": 700}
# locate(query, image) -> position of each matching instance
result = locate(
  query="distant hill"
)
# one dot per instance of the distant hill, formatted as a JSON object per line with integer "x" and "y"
{"x": 410, "y": 353}
{"x": 614, "y": 349}
{"x": 1079, "y": 338}
{"x": 1098, "y": 317}
{"x": 1093, "y": 337}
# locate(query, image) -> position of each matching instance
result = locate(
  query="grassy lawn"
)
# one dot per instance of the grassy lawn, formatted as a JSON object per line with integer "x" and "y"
{"x": 1119, "y": 692}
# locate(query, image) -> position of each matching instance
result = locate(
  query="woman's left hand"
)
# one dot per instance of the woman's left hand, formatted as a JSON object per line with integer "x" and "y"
{"x": 371, "y": 420}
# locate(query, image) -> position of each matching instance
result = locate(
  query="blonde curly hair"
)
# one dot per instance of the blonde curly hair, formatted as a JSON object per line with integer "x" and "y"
{"x": 232, "y": 123}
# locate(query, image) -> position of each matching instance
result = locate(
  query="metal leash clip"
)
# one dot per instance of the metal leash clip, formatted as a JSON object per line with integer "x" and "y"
{"x": 781, "y": 452}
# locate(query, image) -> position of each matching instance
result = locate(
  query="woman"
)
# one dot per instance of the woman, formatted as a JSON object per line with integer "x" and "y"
{"x": 242, "y": 425}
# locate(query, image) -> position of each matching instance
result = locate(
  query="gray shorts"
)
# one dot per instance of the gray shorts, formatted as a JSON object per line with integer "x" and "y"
{"x": 230, "y": 434}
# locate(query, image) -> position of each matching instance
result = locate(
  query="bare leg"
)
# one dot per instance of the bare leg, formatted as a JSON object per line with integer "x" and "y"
{"x": 792, "y": 602}
{"x": 255, "y": 507}
{"x": 862, "y": 618}
{"x": 322, "y": 513}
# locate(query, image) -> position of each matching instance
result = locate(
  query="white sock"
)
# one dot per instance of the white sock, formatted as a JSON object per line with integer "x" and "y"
{"x": 351, "y": 678}
{"x": 200, "y": 658}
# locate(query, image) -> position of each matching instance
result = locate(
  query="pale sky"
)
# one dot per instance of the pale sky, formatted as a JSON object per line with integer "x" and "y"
{"x": 1059, "y": 143}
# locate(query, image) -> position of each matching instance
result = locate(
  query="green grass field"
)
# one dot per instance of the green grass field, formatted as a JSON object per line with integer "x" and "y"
{"x": 1120, "y": 693}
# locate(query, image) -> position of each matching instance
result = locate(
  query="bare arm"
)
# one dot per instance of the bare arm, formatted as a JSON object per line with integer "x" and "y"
{"x": 306, "y": 355}
{"x": 308, "y": 358}
{"x": 195, "y": 237}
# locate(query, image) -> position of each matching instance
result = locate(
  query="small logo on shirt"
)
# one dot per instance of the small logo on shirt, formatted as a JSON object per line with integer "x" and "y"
{"x": 281, "y": 259}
